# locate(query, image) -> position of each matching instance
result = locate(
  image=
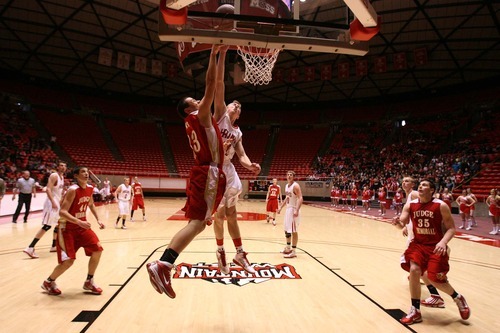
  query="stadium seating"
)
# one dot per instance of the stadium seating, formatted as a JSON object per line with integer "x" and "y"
{"x": 140, "y": 146}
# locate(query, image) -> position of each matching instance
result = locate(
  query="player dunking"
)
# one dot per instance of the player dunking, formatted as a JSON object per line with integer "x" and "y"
{"x": 55, "y": 187}
{"x": 273, "y": 200}
{"x": 206, "y": 180}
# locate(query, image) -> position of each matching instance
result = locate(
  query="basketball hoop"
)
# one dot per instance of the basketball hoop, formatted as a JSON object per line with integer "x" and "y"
{"x": 259, "y": 64}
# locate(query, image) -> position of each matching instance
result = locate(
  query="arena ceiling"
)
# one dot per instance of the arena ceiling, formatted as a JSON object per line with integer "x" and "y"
{"x": 59, "y": 40}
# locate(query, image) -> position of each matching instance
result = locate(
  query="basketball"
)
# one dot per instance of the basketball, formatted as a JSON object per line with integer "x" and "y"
{"x": 225, "y": 9}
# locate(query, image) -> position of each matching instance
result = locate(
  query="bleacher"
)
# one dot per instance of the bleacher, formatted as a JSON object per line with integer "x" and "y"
{"x": 486, "y": 180}
{"x": 183, "y": 155}
{"x": 140, "y": 146}
{"x": 81, "y": 139}
{"x": 108, "y": 106}
{"x": 295, "y": 150}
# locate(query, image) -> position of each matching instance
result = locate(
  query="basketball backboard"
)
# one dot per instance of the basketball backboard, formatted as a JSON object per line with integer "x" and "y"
{"x": 269, "y": 24}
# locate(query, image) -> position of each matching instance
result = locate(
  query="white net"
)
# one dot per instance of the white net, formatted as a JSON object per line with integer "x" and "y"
{"x": 259, "y": 64}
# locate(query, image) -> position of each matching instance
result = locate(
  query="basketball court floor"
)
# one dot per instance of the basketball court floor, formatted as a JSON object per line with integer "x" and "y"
{"x": 346, "y": 278}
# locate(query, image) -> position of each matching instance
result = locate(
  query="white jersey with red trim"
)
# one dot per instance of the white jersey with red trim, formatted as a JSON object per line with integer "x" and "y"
{"x": 228, "y": 131}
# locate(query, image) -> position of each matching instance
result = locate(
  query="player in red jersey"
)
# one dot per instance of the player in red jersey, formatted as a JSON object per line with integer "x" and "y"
{"x": 138, "y": 201}
{"x": 207, "y": 182}
{"x": 273, "y": 199}
{"x": 354, "y": 197}
{"x": 365, "y": 198}
{"x": 75, "y": 232}
{"x": 427, "y": 255}
{"x": 434, "y": 300}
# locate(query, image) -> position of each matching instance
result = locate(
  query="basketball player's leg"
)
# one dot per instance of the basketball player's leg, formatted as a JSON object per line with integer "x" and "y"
{"x": 232, "y": 222}
{"x": 160, "y": 270}
{"x": 438, "y": 266}
{"x": 49, "y": 215}
{"x": 219, "y": 217}
{"x": 434, "y": 300}
{"x": 240, "y": 258}
{"x": 66, "y": 255}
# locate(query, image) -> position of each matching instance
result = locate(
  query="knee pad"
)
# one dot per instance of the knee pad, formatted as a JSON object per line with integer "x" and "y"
{"x": 46, "y": 227}
{"x": 56, "y": 229}
{"x": 288, "y": 235}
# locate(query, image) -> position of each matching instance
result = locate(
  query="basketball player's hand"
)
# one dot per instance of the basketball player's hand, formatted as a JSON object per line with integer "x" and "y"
{"x": 101, "y": 225}
{"x": 83, "y": 224}
{"x": 396, "y": 221}
{"x": 216, "y": 48}
{"x": 224, "y": 48}
{"x": 255, "y": 168}
{"x": 405, "y": 231}
{"x": 440, "y": 249}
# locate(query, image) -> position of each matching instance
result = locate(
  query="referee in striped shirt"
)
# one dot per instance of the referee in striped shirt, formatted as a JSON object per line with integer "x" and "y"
{"x": 25, "y": 187}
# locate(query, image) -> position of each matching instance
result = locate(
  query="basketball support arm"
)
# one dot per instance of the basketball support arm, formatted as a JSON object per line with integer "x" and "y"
{"x": 363, "y": 11}
{"x": 178, "y": 4}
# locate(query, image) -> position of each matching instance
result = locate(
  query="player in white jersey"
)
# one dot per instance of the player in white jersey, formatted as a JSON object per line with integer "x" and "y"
{"x": 124, "y": 195}
{"x": 51, "y": 207}
{"x": 106, "y": 190}
{"x": 226, "y": 115}
{"x": 293, "y": 201}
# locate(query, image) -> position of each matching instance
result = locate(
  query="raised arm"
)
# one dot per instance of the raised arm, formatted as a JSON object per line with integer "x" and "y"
{"x": 220, "y": 90}
{"x": 204, "y": 113}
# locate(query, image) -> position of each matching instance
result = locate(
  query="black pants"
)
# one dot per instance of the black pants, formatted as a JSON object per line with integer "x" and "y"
{"x": 24, "y": 199}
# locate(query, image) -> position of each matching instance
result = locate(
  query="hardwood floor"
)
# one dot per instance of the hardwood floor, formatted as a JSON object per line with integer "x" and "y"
{"x": 346, "y": 278}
